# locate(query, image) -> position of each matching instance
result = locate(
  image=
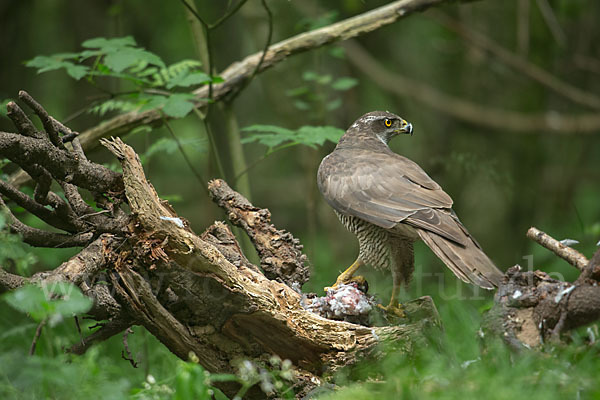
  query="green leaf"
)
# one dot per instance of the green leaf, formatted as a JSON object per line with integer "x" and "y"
{"x": 77, "y": 71}
{"x": 12, "y": 249}
{"x": 126, "y": 57}
{"x": 51, "y": 301}
{"x": 268, "y": 128}
{"x": 29, "y": 299}
{"x": 51, "y": 63}
{"x": 71, "y": 301}
{"x": 223, "y": 378}
{"x": 219, "y": 395}
{"x": 109, "y": 44}
{"x": 299, "y": 91}
{"x": 151, "y": 102}
{"x": 313, "y": 76}
{"x": 274, "y": 136}
{"x": 185, "y": 80}
{"x": 120, "y": 53}
{"x": 190, "y": 383}
{"x": 113, "y": 105}
{"x": 45, "y": 63}
{"x": 344, "y": 83}
{"x": 178, "y": 105}
{"x": 310, "y": 76}
{"x": 318, "y": 135}
{"x": 324, "y": 79}
{"x": 301, "y": 105}
{"x": 141, "y": 129}
{"x": 334, "y": 104}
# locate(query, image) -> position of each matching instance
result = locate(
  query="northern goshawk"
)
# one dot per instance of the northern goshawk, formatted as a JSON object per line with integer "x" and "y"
{"x": 388, "y": 202}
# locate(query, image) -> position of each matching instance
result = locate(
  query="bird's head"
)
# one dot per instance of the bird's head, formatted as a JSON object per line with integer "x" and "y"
{"x": 382, "y": 125}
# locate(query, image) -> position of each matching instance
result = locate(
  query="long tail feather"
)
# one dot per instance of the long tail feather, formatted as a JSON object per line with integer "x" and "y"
{"x": 469, "y": 263}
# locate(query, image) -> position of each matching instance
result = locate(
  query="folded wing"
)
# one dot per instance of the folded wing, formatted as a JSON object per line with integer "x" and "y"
{"x": 385, "y": 189}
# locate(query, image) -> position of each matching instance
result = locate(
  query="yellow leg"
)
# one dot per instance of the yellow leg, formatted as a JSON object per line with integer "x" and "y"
{"x": 348, "y": 275}
{"x": 395, "y": 307}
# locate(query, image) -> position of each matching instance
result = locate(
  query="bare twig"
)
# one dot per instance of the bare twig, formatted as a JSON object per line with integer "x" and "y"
{"x": 21, "y": 121}
{"x": 43, "y": 213}
{"x": 280, "y": 253}
{"x": 62, "y": 165}
{"x": 503, "y": 120}
{"x": 44, "y": 117}
{"x": 38, "y": 333}
{"x": 552, "y": 22}
{"x": 75, "y": 200}
{"x": 264, "y": 52}
{"x": 201, "y": 180}
{"x": 126, "y": 353}
{"x": 198, "y": 34}
{"x": 78, "y": 150}
{"x": 41, "y": 238}
{"x": 591, "y": 270}
{"x": 44, "y": 159}
{"x": 519, "y": 63}
{"x": 106, "y": 331}
{"x": 567, "y": 253}
{"x": 78, "y": 328}
{"x": 238, "y": 72}
{"x": 228, "y": 14}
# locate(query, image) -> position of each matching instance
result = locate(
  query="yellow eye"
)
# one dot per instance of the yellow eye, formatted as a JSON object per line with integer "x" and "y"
{"x": 387, "y": 122}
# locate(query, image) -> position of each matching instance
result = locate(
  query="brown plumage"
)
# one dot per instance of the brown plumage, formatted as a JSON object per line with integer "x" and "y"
{"x": 388, "y": 201}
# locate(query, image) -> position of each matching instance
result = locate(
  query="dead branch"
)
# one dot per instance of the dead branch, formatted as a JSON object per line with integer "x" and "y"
{"x": 256, "y": 308}
{"x": 38, "y": 333}
{"x": 552, "y": 22}
{"x": 10, "y": 281}
{"x": 567, "y": 253}
{"x": 531, "y": 308}
{"x": 520, "y": 64}
{"x": 503, "y": 120}
{"x": 46, "y": 149}
{"x": 238, "y": 72}
{"x": 126, "y": 353}
{"x": 106, "y": 331}
{"x": 281, "y": 256}
{"x": 44, "y": 157}
{"x": 41, "y": 238}
{"x": 196, "y": 294}
{"x": 591, "y": 271}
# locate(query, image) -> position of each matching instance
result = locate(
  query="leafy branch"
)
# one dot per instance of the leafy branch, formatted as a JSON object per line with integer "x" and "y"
{"x": 152, "y": 85}
{"x": 276, "y": 138}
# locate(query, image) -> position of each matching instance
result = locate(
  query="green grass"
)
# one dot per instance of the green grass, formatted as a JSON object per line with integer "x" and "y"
{"x": 465, "y": 367}
{"x": 457, "y": 365}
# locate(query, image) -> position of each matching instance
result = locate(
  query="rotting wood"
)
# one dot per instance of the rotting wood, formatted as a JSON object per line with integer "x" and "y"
{"x": 196, "y": 293}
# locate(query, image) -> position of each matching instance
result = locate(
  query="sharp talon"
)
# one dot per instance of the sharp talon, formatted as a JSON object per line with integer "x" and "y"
{"x": 359, "y": 280}
{"x": 393, "y": 309}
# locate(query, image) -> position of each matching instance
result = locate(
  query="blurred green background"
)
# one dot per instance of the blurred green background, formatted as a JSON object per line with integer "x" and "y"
{"x": 479, "y": 55}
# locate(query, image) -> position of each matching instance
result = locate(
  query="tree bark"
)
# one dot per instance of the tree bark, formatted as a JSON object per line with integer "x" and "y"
{"x": 197, "y": 294}
{"x": 530, "y": 308}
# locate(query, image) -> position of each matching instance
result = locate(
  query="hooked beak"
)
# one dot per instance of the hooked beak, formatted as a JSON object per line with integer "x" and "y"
{"x": 406, "y": 127}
